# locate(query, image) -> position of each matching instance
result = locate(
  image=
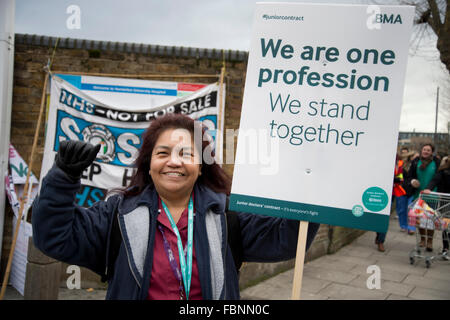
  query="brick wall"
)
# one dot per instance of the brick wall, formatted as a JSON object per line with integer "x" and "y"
{"x": 33, "y": 52}
{"x": 72, "y": 55}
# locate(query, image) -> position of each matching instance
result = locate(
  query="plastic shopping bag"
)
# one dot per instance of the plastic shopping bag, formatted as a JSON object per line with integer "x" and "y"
{"x": 421, "y": 215}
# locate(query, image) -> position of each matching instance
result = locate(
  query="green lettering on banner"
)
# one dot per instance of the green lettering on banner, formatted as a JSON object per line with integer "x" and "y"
{"x": 21, "y": 171}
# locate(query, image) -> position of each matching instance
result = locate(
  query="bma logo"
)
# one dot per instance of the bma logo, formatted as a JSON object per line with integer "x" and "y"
{"x": 392, "y": 19}
{"x": 99, "y": 134}
{"x": 376, "y": 18}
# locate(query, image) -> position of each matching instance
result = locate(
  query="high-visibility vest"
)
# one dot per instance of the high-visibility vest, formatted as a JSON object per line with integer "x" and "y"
{"x": 398, "y": 190}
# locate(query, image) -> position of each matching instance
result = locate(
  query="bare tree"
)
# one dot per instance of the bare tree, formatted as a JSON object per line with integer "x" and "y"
{"x": 432, "y": 28}
{"x": 434, "y": 14}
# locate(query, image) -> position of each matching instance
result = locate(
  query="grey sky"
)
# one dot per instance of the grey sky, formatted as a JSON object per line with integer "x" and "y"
{"x": 221, "y": 24}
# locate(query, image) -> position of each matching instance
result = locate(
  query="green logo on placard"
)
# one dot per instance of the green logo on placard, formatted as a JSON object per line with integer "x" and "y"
{"x": 357, "y": 210}
{"x": 375, "y": 199}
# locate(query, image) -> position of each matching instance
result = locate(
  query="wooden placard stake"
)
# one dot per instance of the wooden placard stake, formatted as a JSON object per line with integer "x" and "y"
{"x": 299, "y": 260}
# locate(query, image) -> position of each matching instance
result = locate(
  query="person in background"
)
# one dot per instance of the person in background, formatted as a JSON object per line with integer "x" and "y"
{"x": 379, "y": 241}
{"x": 407, "y": 157}
{"x": 441, "y": 181}
{"x": 400, "y": 195}
{"x": 381, "y": 236}
{"x": 404, "y": 151}
{"x": 420, "y": 174}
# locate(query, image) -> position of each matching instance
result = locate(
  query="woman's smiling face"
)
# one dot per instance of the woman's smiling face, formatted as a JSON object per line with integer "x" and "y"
{"x": 427, "y": 151}
{"x": 175, "y": 163}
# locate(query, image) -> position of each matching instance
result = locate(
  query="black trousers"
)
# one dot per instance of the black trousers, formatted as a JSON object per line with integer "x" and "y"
{"x": 445, "y": 239}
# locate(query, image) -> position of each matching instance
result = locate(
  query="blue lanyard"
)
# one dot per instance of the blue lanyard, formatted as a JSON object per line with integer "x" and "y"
{"x": 185, "y": 263}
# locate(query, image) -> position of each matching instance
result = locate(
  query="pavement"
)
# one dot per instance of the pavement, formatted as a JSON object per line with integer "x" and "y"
{"x": 357, "y": 271}
{"x": 345, "y": 275}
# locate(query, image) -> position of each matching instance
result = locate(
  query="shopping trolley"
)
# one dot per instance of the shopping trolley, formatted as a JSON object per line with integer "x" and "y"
{"x": 430, "y": 213}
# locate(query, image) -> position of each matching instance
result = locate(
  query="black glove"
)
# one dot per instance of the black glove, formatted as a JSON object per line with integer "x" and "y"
{"x": 74, "y": 157}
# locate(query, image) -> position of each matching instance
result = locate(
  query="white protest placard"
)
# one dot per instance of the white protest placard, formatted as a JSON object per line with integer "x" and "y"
{"x": 20, "y": 259}
{"x": 15, "y": 187}
{"x": 19, "y": 168}
{"x": 15, "y": 183}
{"x": 321, "y": 111}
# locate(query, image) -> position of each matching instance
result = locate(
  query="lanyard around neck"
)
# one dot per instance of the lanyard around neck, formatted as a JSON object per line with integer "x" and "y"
{"x": 185, "y": 263}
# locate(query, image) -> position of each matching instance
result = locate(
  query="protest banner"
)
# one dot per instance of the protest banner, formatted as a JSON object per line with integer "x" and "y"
{"x": 115, "y": 112}
{"x": 321, "y": 108}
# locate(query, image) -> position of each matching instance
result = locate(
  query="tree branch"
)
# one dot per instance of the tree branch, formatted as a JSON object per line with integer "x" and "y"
{"x": 435, "y": 19}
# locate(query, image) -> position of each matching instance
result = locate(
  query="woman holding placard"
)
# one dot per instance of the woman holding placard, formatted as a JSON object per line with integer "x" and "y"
{"x": 176, "y": 239}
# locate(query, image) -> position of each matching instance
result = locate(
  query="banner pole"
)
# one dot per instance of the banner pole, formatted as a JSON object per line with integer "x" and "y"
{"x": 221, "y": 108}
{"x": 25, "y": 191}
{"x": 299, "y": 260}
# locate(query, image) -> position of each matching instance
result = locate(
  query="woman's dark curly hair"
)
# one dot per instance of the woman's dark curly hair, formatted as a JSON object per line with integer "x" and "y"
{"x": 213, "y": 176}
